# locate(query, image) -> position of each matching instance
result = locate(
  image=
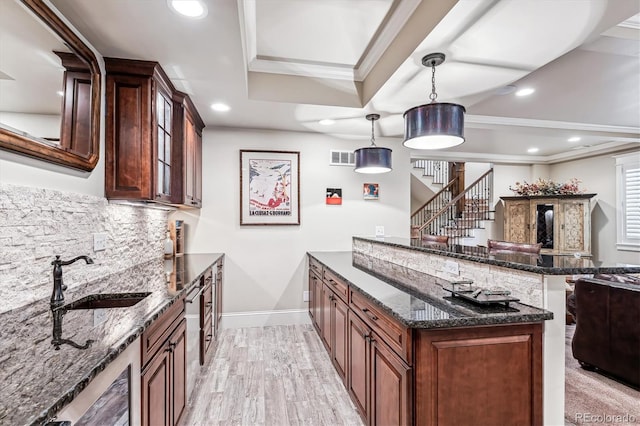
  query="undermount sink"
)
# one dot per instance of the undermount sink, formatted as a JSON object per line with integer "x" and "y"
{"x": 106, "y": 300}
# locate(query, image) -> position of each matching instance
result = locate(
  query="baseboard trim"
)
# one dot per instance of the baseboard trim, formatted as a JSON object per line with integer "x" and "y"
{"x": 262, "y": 318}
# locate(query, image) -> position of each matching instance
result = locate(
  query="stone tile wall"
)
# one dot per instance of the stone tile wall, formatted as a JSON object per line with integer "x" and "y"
{"x": 526, "y": 286}
{"x": 37, "y": 224}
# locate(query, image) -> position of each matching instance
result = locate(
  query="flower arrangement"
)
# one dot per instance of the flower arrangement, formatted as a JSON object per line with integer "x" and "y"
{"x": 546, "y": 187}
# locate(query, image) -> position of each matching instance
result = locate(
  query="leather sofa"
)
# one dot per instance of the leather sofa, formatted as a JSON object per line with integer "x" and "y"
{"x": 607, "y": 335}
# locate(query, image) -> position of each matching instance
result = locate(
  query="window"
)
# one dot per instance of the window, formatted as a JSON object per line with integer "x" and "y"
{"x": 628, "y": 201}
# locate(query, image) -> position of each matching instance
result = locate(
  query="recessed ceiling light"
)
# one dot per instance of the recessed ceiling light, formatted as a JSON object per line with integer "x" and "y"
{"x": 189, "y": 8}
{"x": 505, "y": 90}
{"x": 574, "y": 139}
{"x": 525, "y": 92}
{"x": 60, "y": 93}
{"x": 327, "y": 122}
{"x": 220, "y": 107}
{"x": 533, "y": 150}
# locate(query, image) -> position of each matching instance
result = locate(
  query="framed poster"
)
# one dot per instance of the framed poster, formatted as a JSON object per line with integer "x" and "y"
{"x": 334, "y": 196}
{"x": 370, "y": 191}
{"x": 269, "y": 187}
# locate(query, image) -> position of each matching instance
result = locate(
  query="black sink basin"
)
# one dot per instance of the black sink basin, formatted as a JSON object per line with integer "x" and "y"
{"x": 106, "y": 300}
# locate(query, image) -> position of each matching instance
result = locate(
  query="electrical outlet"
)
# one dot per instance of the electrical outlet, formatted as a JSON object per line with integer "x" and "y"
{"x": 451, "y": 267}
{"x": 379, "y": 231}
{"x": 99, "y": 241}
{"x": 305, "y": 296}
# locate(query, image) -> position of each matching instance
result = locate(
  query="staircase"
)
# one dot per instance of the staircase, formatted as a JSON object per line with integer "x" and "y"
{"x": 455, "y": 216}
{"x": 438, "y": 170}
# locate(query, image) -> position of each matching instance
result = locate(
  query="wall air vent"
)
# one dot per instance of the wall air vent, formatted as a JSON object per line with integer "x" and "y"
{"x": 341, "y": 158}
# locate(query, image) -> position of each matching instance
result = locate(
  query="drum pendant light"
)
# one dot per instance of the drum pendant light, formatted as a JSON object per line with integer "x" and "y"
{"x": 434, "y": 125}
{"x": 373, "y": 159}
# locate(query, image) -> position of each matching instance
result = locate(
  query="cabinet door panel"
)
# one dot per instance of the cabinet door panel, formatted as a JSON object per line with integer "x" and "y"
{"x": 218, "y": 295}
{"x": 390, "y": 387}
{"x": 573, "y": 232}
{"x": 339, "y": 332}
{"x": 325, "y": 328}
{"x": 312, "y": 299}
{"x": 517, "y": 227}
{"x": 128, "y": 142}
{"x": 178, "y": 344}
{"x": 197, "y": 190}
{"x": 317, "y": 305}
{"x": 358, "y": 374}
{"x": 455, "y": 388}
{"x": 156, "y": 391}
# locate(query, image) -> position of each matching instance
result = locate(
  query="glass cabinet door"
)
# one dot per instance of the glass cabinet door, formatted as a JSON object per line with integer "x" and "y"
{"x": 544, "y": 224}
{"x": 163, "y": 165}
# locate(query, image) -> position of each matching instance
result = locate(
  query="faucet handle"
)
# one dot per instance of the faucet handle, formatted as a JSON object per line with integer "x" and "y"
{"x": 57, "y": 260}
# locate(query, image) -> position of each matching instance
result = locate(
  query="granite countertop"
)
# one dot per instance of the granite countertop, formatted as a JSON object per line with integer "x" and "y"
{"x": 37, "y": 380}
{"x": 416, "y": 299}
{"x": 540, "y": 264}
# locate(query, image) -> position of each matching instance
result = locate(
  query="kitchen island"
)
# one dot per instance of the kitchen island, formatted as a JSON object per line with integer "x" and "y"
{"x": 38, "y": 380}
{"x": 410, "y": 353}
{"x": 538, "y": 281}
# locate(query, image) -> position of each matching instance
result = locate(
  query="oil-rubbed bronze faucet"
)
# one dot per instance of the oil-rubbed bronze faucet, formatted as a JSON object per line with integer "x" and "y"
{"x": 57, "y": 341}
{"x": 57, "y": 297}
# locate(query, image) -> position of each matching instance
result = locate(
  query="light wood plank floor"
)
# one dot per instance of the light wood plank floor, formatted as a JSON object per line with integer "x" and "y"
{"x": 278, "y": 375}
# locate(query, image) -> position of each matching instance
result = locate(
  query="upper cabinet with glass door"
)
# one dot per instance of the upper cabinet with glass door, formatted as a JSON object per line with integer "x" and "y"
{"x": 49, "y": 87}
{"x": 146, "y": 136}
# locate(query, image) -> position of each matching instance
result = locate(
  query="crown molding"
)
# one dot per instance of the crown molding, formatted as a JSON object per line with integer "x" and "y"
{"x": 605, "y": 148}
{"x": 476, "y": 121}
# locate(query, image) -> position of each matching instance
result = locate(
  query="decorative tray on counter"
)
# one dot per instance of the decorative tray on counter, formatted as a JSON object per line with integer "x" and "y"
{"x": 481, "y": 296}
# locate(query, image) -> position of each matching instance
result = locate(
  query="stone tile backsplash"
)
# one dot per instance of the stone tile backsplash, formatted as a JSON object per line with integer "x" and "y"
{"x": 526, "y": 286}
{"x": 37, "y": 224}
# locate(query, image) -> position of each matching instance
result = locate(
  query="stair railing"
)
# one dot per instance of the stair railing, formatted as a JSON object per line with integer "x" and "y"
{"x": 448, "y": 220}
{"x": 433, "y": 205}
{"x": 439, "y": 170}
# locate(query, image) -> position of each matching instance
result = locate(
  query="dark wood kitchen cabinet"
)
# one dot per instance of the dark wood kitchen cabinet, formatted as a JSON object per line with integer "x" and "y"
{"x": 397, "y": 375}
{"x": 207, "y": 330}
{"x": 339, "y": 348}
{"x": 334, "y": 320}
{"x": 153, "y": 136}
{"x": 492, "y": 374}
{"x": 192, "y": 158}
{"x": 378, "y": 380}
{"x": 219, "y": 284}
{"x": 315, "y": 294}
{"x": 164, "y": 363}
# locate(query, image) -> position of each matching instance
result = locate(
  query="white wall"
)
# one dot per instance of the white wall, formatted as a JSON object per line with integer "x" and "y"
{"x": 265, "y": 265}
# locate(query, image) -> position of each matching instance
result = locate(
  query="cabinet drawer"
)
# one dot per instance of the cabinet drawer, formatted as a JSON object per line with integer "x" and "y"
{"x": 315, "y": 266}
{"x": 160, "y": 330}
{"x": 337, "y": 285}
{"x": 396, "y": 335}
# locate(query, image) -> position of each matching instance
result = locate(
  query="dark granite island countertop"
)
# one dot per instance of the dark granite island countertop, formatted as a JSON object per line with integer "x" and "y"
{"x": 542, "y": 264}
{"x": 416, "y": 299}
{"x": 36, "y": 381}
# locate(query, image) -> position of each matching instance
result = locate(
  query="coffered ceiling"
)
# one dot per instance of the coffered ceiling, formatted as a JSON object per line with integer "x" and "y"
{"x": 287, "y": 64}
